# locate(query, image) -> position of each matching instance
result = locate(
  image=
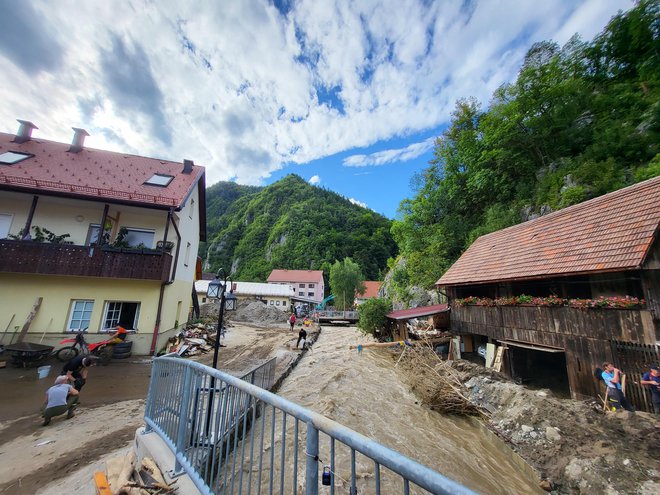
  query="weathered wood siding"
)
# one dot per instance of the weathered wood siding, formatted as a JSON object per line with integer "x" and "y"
{"x": 584, "y": 334}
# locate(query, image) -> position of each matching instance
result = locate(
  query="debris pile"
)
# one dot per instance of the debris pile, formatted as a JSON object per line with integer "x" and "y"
{"x": 436, "y": 382}
{"x": 124, "y": 477}
{"x": 256, "y": 312}
{"x": 194, "y": 340}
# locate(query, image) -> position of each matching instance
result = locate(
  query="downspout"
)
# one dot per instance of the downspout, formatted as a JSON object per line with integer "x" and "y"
{"x": 28, "y": 223}
{"x": 170, "y": 215}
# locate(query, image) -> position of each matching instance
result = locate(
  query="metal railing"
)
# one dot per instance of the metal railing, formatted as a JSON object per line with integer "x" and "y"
{"x": 231, "y": 436}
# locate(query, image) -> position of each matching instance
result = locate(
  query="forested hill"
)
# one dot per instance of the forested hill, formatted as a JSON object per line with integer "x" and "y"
{"x": 580, "y": 121}
{"x": 291, "y": 224}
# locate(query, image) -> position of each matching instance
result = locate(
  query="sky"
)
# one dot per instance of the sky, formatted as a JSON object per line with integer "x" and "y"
{"x": 350, "y": 95}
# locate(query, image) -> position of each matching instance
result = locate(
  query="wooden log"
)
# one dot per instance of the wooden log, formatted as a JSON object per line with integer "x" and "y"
{"x": 150, "y": 466}
{"x": 126, "y": 473}
{"x": 28, "y": 322}
{"x": 379, "y": 344}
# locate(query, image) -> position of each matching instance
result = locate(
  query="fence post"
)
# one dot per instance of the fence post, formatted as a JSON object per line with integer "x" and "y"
{"x": 312, "y": 455}
{"x": 184, "y": 407}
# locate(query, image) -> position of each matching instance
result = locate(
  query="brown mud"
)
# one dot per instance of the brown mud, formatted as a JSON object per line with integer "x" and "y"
{"x": 111, "y": 409}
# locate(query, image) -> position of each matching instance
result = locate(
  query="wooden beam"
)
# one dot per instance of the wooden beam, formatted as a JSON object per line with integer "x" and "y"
{"x": 30, "y": 317}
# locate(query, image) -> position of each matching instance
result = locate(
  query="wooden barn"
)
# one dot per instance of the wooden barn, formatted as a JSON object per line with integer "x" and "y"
{"x": 562, "y": 293}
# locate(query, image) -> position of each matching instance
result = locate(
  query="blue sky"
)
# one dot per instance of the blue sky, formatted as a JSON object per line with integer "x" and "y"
{"x": 347, "y": 94}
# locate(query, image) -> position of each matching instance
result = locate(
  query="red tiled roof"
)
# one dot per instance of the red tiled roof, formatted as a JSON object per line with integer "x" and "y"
{"x": 94, "y": 173}
{"x": 405, "y": 314}
{"x": 613, "y": 232}
{"x": 370, "y": 290}
{"x": 309, "y": 276}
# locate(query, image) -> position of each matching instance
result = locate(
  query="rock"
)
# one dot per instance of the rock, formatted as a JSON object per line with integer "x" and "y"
{"x": 552, "y": 434}
{"x": 526, "y": 429}
{"x": 541, "y": 393}
{"x": 626, "y": 462}
{"x": 472, "y": 382}
{"x": 545, "y": 485}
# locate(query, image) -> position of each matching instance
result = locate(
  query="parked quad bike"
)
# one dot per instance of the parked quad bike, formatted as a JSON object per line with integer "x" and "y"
{"x": 104, "y": 350}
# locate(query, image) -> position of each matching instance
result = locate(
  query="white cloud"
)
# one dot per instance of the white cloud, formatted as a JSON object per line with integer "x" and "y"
{"x": 315, "y": 180}
{"x": 233, "y": 85}
{"x": 358, "y": 203}
{"x": 384, "y": 157}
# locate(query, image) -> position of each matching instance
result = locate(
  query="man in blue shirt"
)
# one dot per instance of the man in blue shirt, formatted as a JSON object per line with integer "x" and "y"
{"x": 612, "y": 378}
{"x": 652, "y": 380}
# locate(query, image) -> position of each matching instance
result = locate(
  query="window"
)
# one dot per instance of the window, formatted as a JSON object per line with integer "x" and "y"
{"x": 302, "y": 286}
{"x": 301, "y": 294}
{"x": 310, "y": 294}
{"x": 11, "y": 157}
{"x": 135, "y": 237}
{"x": 5, "y": 224}
{"x": 93, "y": 234}
{"x": 162, "y": 180}
{"x": 310, "y": 286}
{"x": 272, "y": 303}
{"x": 277, "y": 303}
{"x": 116, "y": 313}
{"x": 81, "y": 313}
{"x": 203, "y": 299}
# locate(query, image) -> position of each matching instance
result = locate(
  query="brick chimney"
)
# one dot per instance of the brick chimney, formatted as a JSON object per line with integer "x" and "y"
{"x": 24, "y": 133}
{"x": 78, "y": 140}
{"x": 187, "y": 166}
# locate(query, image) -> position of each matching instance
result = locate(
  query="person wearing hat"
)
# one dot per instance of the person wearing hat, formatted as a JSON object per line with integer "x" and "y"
{"x": 60, "y": 398}
{"x": 652, "y": 380}
{"x": 76, "y": 370}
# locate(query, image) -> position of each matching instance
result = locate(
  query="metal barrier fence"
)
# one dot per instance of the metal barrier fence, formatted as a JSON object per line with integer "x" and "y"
{"x": 231, "y": 436}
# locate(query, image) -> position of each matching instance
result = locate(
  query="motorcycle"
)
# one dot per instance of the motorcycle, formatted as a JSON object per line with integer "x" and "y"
{"x": 103, "y": 350}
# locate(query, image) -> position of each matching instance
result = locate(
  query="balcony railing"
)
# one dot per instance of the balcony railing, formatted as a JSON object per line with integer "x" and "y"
{"x": 83, "y": 261}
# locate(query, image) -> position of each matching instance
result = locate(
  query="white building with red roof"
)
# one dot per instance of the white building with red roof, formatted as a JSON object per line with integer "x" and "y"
{"x": 308, "y": 284}
{"x": 97, "y": 239}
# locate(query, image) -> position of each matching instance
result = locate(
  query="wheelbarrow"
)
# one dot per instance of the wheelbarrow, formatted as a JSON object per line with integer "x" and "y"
{"x": 26, "y": 354}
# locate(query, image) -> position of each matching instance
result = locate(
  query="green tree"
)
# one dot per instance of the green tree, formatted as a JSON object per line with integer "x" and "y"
{"x": 372, "y": 315}
{"x": 345, "y": 279}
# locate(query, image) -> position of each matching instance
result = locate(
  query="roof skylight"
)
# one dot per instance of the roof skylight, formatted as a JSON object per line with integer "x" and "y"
{"x": 161, "y": 180}
{"x": 12, "y": 157}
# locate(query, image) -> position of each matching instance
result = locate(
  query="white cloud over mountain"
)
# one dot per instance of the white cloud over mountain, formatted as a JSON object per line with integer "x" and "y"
{"x": 244, "y": 88}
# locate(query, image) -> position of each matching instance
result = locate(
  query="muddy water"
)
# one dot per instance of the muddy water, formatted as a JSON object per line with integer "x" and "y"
{"x": 363, "y": 392}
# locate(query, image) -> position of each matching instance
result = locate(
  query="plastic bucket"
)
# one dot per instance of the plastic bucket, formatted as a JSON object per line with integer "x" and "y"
{"x": 43, "y": 371}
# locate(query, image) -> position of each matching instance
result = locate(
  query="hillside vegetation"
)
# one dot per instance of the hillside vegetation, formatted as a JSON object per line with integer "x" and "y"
{"x": 578, "y": 122}
{"x": 291, "y": 224}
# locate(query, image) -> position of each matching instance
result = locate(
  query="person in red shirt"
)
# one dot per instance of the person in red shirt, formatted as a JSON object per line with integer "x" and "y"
{"x": 119, "y": 336}
{"x": 292, "y": 321}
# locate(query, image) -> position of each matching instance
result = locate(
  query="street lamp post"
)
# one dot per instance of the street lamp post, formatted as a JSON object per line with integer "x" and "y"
{"x": 218, "y": 289}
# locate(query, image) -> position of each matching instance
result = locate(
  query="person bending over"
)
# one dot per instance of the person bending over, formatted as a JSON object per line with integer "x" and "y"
{"x": 60, "y": 398}
{"x": 76, "y": 370}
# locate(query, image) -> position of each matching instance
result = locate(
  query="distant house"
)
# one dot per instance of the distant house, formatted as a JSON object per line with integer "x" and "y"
{"x": 606, "y": 247}
{"x": 308, "y": 284}
{"x": 94, "y": 239}
{"x": 278, "y": 296}
{"x": 371, "y": 290}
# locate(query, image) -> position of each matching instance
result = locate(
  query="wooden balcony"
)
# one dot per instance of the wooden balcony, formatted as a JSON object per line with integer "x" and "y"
{"x": 552, "y": 326}
{"x": 83, "y": 261}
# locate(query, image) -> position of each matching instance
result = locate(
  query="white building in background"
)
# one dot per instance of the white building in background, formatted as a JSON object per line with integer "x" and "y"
{"x": 278, "y": 296}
